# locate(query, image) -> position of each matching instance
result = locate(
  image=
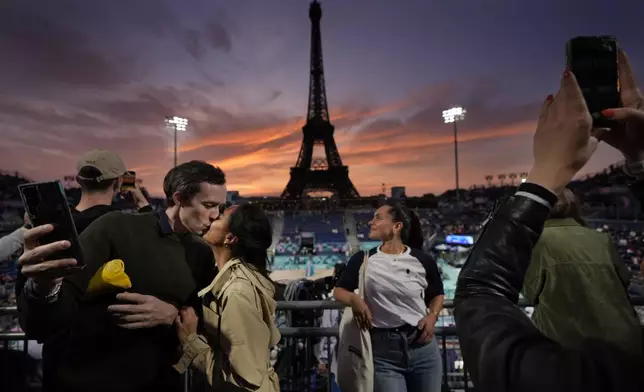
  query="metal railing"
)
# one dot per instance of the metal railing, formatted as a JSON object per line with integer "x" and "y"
{"x": 297, "y": 363}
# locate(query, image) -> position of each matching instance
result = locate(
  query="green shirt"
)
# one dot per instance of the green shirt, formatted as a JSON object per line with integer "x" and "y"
{"x": 578, "y": 285}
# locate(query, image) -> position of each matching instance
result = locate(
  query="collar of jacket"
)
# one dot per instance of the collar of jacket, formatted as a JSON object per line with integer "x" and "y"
{"x": 234, "y": 268}
{"x": 164, "y": 223}
{"x": 223, "y": 277}
{"x": 561, "y": 222}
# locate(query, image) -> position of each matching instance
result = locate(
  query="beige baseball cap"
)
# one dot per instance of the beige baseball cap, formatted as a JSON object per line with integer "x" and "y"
{"x": 110, "y": 165}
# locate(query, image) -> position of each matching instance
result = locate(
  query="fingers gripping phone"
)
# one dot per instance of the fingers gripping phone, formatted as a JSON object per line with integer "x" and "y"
{"x": 128, "y": 182}
{"x": 46, "y": 203}
{"x": 593, "y": 61}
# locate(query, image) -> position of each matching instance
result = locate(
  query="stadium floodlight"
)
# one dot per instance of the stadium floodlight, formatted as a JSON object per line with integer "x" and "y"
{"x": 454, "y": 115}
{"x": 176, "y": 125}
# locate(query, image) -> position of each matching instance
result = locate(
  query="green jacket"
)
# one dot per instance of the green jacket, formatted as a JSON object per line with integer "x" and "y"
{"x": 578, "y": 285}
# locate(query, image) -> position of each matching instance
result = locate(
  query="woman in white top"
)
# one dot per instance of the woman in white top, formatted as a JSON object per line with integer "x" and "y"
{"x": 403, "y": 299}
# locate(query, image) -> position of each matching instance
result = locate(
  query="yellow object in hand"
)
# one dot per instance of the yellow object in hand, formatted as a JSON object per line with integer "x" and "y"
{"x": 110, "y": 277}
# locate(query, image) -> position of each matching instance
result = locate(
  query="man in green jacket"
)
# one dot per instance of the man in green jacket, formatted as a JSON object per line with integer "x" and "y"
{"x": 578, "y": 284}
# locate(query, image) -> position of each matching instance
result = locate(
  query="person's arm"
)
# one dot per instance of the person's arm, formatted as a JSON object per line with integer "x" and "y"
{"x": 348, "y": 281}
{"x": 42, "y": 314}
{"x": 435, "y": 292}
{"x": 140, "y": 200}
{"x": 502, "y": 348}
{"x": 245, "y": 339}
{"x": 11, "y": 243}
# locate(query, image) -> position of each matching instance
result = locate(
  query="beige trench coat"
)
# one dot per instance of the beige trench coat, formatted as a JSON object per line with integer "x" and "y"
{"x": 240, "y": 330}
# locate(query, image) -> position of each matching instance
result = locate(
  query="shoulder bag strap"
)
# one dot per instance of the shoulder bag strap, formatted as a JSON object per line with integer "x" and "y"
{"x": 363, "y": 272}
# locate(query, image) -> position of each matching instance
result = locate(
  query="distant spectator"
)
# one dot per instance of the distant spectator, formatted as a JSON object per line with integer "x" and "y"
{"x": 578, "y": 283}
{"x": 11, "y": 243}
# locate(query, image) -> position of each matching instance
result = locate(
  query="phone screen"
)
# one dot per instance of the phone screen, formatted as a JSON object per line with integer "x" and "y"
{"x": 593, "y": 61}
{"x": 46, "y": 203}
{"x": 129, "y": 181}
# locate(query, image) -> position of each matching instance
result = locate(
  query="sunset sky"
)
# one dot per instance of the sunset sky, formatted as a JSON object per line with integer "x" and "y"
{"x": 79, "y": 74}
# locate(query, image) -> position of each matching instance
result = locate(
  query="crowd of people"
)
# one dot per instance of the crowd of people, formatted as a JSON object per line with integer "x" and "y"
{"x": 158, "y": 292}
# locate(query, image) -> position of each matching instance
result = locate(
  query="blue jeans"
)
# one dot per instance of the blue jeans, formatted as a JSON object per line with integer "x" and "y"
{"x": 403, "y": 365}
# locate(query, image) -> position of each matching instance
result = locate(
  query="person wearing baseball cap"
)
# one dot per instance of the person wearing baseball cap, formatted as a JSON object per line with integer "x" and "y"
{"x": 99, "y": 166}
{"x": 99, "y": 175}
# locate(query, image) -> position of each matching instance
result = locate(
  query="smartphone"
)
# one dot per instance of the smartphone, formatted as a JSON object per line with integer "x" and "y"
{"x": 593, "y": 61}
{"x": 129, "y": 181}
{"x": 46, "y": 203}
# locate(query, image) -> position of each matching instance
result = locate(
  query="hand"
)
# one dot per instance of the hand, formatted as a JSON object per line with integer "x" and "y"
{"x": 186, "y": 323}
{"x": 145, "y": 312}
{"x": 426, "y": 326}
{"x": 361, "y": 313}
{"x": 45, "y": 274}
{"x": 137, "y": 195}
{"x": 629, "y": 137}
{"x": 563, "y": 142}
{"x": 322, "y": 368}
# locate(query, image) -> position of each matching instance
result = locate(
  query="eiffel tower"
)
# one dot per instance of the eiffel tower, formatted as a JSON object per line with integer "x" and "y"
{"x": 318, "y": 174}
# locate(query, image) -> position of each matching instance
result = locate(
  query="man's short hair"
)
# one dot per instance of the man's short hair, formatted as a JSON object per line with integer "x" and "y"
{"x": 93, "y": 186}
{"x": 98, "y": 170}
{"x": 187, "y": 178}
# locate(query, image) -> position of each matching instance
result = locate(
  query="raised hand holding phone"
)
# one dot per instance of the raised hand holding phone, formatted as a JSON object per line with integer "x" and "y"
{"x": 563, "y": 142}
{"x": 52, "y": 248}
{"x": 628, "y": 137}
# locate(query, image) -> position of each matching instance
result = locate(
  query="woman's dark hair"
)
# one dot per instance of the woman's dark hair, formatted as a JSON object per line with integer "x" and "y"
{"x": 411, "y": 233}
{"x": 187, "y": 178}
{"x": 254, "y": 235}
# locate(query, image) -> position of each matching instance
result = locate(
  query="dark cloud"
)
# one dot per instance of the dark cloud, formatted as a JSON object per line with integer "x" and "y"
{"x": 39, "y": 48}
{"x": 217, "y": 36}
{"x": 213, "y": 35}
{"x": 12, "y": 110}
{"x": 274, "y": 95}
{"x": 194, "y": 46}
{"x": 483, "y": 112}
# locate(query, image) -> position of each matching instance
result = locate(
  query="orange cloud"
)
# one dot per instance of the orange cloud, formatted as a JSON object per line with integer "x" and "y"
{"x": 261, "y": 135}
{"x": 373, "y": 160}
{"x": 247, "y": 137}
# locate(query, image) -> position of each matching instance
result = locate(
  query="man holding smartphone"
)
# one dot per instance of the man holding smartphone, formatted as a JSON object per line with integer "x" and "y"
{"x": 124, "y": 341}
{"x": 99, "y": 174}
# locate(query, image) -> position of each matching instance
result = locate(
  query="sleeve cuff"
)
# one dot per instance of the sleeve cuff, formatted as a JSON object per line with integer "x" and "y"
{"x": 145, "y": 208}
{"x": 537, "y": 193}
{"x": 194, "y": 346}
{"x": 30, "y": 293}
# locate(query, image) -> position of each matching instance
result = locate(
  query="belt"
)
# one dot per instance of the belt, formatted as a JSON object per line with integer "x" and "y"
{"x": 405, "y": 328}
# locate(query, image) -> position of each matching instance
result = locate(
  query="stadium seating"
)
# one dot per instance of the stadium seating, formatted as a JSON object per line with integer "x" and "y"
{"x": 330, "y": 239}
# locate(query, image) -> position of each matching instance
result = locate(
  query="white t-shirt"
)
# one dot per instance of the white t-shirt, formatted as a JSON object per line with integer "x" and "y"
{"x": 398, "y": 288}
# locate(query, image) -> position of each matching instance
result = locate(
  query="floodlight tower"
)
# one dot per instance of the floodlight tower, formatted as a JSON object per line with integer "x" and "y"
{"x": 455, "y": 115}
{"x": 176, "y": 124}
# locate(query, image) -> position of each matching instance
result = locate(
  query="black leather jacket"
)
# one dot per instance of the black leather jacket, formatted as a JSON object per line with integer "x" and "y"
{"x": 501, "y": 347}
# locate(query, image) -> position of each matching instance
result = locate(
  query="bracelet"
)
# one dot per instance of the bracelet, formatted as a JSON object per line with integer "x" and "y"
{"x": 53, "y": 295}
{"x": 430, "y": 311}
